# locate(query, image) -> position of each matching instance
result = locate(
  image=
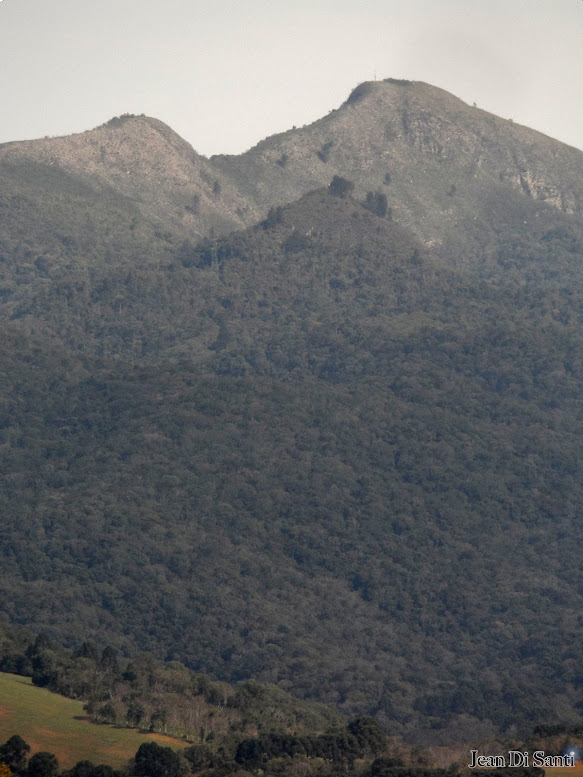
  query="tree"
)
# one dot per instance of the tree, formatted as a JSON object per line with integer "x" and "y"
{"x": 14, "y": 753}
{"x": 324, "y": 153}
{"x": 135, "y": 714}
{"x": 250, "y": 754}
{"x": 87, "y": 650}
{"x": 376, "y": 202}
{"x": 187, "y": 254}
{"x": 152, "y": 760}
{"x": 368, "y": 735}
{"x": 341, "y": 187}
{"x": 104, "y": 770}
{"x": 82, "y": 769}
{"x": 88, "y": 769}
{"x": 199, "y": 757}
{"x": 274, "y": 217}
{"x": 42, "y": 765}
{"x": 158, "y": 719}
{"x": 107, "y": 712}
{"x": 109, "y": 658}
{"x": 44, "y": 671}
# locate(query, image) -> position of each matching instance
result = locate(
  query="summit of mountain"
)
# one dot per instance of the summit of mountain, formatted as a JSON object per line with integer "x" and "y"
{"x": 145, "y": 161}
{"x": 441, "y": 163}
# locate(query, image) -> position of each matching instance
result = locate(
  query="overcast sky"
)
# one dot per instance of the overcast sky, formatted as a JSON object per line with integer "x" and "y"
{"x": 225, "y": 74}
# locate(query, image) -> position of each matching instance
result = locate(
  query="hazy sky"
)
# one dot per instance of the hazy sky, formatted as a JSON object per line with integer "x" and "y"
{"x": 225, "y": 74}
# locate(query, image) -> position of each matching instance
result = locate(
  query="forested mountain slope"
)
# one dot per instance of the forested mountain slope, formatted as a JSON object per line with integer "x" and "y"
{"x": 317, "y": 451}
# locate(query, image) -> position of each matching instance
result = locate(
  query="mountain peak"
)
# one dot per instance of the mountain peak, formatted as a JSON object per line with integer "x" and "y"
{"x": 439, "y": 160}
{"x": 144, "y": 159}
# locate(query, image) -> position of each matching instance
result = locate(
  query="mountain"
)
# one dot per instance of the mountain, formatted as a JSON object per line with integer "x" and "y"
{"x": 145, "y": 162}
{"x": 439, "y": 161}
{"x": 337, "y": 450}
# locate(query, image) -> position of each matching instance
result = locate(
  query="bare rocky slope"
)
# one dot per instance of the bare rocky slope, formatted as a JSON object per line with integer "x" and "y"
{"x": 145, "y": 161}
{"x": 439, "y": 160}
{"x": 441, "y": 163}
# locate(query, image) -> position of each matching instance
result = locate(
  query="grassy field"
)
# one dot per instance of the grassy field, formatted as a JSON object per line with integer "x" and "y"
{"x": 571, "y": 771}
{"x": 51, "y": 722}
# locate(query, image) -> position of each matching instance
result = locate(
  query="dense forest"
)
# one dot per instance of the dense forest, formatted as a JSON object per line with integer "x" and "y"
{"x": 320, "y": 452}
{"x": 254, "y": 728}
{"x": 144, "y": 692}
{"x": 273, "y": 755}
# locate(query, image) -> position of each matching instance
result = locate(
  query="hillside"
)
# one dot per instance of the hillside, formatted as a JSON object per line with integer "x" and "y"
{"x": 338, "y": 450}
{"x": 50, "y": 722}
{"x": 442, "y": 163}
{"x": 149, "y": 165}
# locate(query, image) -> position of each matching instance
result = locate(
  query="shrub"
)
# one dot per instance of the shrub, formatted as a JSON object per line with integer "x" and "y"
{"x": 376, "y": 202}
{"x": 341, "y": 187}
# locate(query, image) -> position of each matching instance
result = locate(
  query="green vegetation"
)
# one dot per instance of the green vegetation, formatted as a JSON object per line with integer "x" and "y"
{"x": 49, "y": 722}
{"x": 298, "y": 499}
{"x": 324, "y": 757}
{"x": 317, "y": 453}
{"x": 376, "y": 202}
{"x": 165, "y": 697}
{"x": 341, "y": 187}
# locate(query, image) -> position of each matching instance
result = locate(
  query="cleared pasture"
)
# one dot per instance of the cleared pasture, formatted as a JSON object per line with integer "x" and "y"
{"x": 51, "y": 722}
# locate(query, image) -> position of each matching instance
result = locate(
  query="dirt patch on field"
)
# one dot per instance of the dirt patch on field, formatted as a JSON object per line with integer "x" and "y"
{"x": 59, "y": 748}
{"x": 120, "y": 751}
{"x": 169, "y": 740}
{"x": 123, "y": 750}
{"x": 48, "y": 732}
{"x": 3, "y": 711}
